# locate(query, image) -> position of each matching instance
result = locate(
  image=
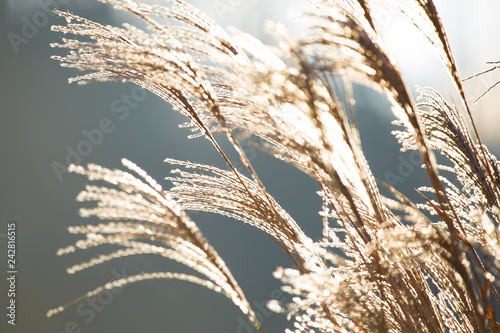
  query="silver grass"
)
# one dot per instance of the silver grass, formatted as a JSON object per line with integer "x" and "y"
{"x": 153, "y": 216}
{"x": 382, "y": 265}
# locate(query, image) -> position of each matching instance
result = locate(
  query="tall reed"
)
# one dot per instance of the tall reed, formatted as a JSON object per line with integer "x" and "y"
{"x": 383, "y": 264}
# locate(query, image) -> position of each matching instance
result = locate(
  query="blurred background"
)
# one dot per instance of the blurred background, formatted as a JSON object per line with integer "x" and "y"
{"x": 43, "y": 119}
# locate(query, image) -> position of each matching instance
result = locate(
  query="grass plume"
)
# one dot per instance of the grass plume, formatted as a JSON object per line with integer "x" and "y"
{"x": 383, "y": 264}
